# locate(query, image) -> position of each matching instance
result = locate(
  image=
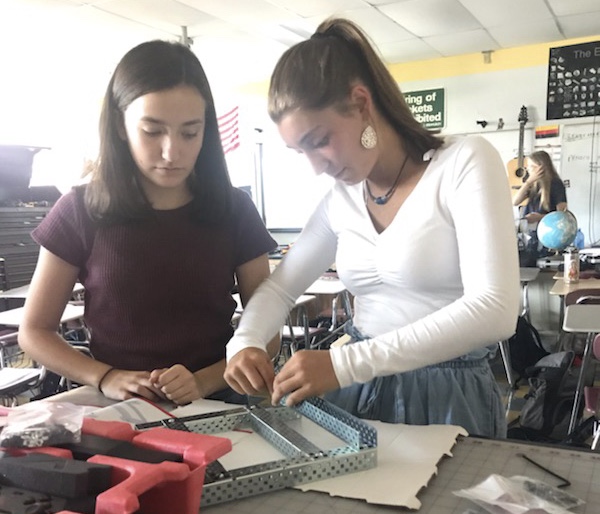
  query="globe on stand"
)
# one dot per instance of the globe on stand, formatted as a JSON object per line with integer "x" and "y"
{"x": 557, "y": 230}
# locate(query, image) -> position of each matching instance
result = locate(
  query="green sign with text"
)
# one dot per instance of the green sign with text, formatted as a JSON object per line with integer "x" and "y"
{"x": 427, "y": 107}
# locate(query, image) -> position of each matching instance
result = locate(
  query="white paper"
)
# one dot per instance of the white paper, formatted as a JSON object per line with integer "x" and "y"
{"x": 407, "y": 458}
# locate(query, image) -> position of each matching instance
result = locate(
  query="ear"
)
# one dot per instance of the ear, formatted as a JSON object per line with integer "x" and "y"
{"x": 360, "y": 96}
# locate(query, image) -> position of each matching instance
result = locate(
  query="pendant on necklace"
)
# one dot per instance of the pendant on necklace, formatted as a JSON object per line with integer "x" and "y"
{"x": 382, "y": 200}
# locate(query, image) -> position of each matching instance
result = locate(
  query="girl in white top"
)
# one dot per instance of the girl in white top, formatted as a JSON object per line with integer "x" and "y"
{"x": 421, "y": 230}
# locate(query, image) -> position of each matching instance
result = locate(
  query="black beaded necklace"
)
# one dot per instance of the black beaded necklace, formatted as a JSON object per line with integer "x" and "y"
{"x": 382, "y": 200}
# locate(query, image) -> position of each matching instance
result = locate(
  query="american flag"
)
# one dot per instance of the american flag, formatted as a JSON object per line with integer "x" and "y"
{"x": 229, "y": 130}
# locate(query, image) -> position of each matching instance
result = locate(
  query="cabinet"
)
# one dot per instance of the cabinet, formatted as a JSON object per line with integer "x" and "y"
{"x": 17, "y": 248}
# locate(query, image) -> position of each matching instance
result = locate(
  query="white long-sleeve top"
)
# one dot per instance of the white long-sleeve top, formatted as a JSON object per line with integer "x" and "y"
{"x": 440, "y": 281}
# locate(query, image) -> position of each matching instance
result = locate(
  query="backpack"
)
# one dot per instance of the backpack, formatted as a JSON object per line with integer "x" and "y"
{"x": 525, "y": 347}
{"x": 548, "y": 403}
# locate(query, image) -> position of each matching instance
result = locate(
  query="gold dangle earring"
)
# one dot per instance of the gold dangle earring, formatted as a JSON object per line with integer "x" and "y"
{"x": 368, "y": 138}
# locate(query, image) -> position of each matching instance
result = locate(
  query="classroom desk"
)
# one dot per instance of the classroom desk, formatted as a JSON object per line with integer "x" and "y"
{"x": 14, "y": 317}
{"x": 22, "y": 292}
{"x": 325, "y": 286}
{"x": 473, "y": 460}
{"x": 332, "y": 286}
{"x": 582, "y": 319}
{"x": 526, "y": 275}
{"x": 561, "y": 288}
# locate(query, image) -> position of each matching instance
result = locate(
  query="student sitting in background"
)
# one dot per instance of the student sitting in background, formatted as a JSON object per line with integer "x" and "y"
{"x": 543, "y": 192}
{"x": 157, "y": 238}
{"x": 421, "y": 231}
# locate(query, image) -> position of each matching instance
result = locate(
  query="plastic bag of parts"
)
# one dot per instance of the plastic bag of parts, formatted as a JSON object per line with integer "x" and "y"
{"x": 519, "y": 495}
{"x": 41, "y": 423}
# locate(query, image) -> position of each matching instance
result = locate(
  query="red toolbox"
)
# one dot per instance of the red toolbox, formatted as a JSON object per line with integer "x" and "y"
{"x": 149, "y": 488}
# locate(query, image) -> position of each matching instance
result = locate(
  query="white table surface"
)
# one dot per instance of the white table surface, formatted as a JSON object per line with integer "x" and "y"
{"x": 23, "y": 291}
{"x": 14, "y": 317}
{"x": 326, "y": 286}
{"x": 582, "y": 318}
{"x": 528, "y": 274}
{"x": 301, "y": 300}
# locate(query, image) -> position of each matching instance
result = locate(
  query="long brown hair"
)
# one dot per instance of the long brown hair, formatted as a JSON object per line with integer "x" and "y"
{"x": 114, "y": 193}
{"x": 320, "y": 72}
{"x": 544, "y": 183}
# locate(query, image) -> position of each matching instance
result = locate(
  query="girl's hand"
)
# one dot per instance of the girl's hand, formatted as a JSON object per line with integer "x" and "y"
{"x": 307, "y": 373}
{"x": 250, "y": 371}
{"x": 121, "y": 384}
{"x": 177, "y": 384}
{"x": 535, "y": 172}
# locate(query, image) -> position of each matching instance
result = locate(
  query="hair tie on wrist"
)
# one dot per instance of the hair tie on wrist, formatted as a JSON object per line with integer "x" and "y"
{"x": 103, "y": 377}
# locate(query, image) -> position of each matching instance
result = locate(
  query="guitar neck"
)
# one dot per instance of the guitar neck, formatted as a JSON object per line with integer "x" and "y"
{"x": 520, "y": 155}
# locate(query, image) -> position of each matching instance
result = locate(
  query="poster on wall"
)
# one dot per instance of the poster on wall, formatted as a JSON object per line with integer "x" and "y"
{"x": 573, "y": 81}
{"x": 427, "y": 107}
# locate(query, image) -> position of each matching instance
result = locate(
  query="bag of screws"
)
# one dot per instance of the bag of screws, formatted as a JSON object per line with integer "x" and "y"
{"x": 42, "y": 423}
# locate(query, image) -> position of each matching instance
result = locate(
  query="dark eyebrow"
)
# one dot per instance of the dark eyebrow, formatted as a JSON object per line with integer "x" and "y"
{"x": 150, "y": 119}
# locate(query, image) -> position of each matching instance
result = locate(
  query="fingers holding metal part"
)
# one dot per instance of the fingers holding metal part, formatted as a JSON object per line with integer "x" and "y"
{"x": 307, "y": 373}
{"x": 123, "y": 384}
{"x": 250, "y": 371}
{"x": 177, "y": 384}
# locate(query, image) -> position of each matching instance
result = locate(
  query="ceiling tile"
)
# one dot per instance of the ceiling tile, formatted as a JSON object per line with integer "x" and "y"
{"x": 377, "y": 25}
{"x": 567, "y": 7}
{"x": 580, "y": 25}
{"x": 492, "y": 13}
{"x": 431, "y": 17}
{"x": 383, "y": 2}
{"x": 405, "y": 51}
{"x": 214, "y": 27}
{"x": 518, "y": 34}
{"x": 469, "y": 42}
{"x": 242, "y": 12}
{"x": 167, "y": 15}
{"x": 317, "y": 8}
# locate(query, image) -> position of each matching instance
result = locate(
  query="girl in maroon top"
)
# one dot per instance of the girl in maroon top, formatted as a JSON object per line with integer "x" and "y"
{"x": 158, "y": 238}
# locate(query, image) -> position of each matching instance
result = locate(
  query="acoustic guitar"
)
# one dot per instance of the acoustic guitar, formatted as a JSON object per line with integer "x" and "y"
{"x": 517, "y": 173}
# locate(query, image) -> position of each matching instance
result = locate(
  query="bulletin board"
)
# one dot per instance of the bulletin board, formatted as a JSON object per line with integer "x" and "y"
{"x": 573, "y": 81}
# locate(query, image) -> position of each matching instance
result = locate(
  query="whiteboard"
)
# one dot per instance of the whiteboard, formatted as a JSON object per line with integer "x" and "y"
{"x": 579, "y": 165}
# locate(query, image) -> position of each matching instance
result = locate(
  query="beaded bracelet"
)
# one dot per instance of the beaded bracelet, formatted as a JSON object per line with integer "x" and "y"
{"x": 103, "y": 377}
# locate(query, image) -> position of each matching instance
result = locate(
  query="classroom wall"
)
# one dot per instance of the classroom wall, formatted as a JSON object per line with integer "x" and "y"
{"x": 474, "y": 90}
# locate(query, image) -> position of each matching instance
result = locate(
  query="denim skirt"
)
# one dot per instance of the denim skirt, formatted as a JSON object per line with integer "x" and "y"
{"x": 461, "y": 391}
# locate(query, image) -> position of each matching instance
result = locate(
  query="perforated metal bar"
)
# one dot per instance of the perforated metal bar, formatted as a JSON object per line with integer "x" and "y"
{"x": 305, "y": 461}
{"x": 286, "y": 440}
